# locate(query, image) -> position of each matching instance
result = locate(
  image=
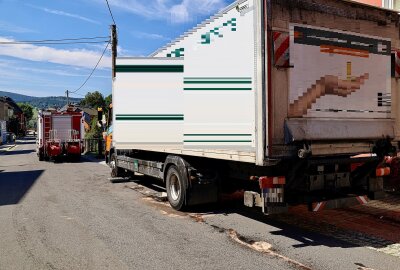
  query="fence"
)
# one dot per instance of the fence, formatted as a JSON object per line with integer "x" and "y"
{"x": 92, "y": 146}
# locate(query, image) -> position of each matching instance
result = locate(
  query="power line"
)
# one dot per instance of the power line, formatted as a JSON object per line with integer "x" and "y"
{"x": 90, "y": 75}
{"x": 112, "y": 17}
{"x": 63, "y": 39}
{"x": 53, "y": 43}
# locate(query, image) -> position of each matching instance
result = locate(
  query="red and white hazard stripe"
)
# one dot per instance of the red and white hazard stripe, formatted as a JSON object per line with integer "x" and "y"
{"x": 281, "y": 49}
{"x": 319, "y": 206}
{"x": 383, "y": 171}
{"x": 362, "y": 199}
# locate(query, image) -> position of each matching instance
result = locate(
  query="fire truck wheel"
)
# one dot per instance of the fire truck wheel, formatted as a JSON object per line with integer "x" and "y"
{"x": 176, "y": 190}
{"x": 41, "y": 156}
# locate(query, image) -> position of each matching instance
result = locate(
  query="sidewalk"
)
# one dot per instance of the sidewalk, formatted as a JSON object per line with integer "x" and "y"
{"x": 6, "y": 147}
{"x": 92, "y": 157}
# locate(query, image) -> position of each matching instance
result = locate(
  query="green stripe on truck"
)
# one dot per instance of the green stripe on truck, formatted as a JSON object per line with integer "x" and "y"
{"x": 217, "y": 82}
{"x": 149, "y": 117}
{"x": 149, "y": 68}
{"x": 217, "y": 89}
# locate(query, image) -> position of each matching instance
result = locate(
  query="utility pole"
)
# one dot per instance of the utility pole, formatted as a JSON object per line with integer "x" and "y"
{"x": 114, "y": 44}
{"x": 67, "y": 93}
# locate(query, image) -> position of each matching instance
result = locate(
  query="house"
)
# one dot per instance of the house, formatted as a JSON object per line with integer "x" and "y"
{"x": 13, "y": 115}
{"x": 88, "y": 114}
{"x": 6, "y": 110}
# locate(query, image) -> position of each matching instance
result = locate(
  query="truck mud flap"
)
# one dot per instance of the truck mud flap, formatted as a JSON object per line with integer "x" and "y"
{"x": 202, "y": 194}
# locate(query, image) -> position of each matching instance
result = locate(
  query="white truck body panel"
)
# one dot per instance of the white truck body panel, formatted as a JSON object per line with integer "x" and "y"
{"x": 220, "y": 81}
{"x": 237, "y": 105}
{"x": 149, "y": 107}
{"x": 215, "y": 99}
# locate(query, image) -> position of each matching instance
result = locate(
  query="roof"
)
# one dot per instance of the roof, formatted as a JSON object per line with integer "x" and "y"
{"x": 11, "y": 103}
{"x": 74, "y": 108}
{"x": 89, "y": 111}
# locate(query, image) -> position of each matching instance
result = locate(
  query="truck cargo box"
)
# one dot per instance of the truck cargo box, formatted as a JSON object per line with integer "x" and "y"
{"x": 260, "y": 82}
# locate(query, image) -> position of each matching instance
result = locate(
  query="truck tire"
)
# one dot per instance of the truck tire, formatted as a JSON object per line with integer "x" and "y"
{"x": 41, "y": 156}
{"x": 176, "y": 190}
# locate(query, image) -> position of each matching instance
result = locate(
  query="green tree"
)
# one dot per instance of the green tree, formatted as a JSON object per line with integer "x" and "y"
{"x": 108, "y": 101}
{"x": 27, "y": 109}
{"x": 95, "y": 131}
{"x": 93, "y": 100}
{"x": 33, "y": 122}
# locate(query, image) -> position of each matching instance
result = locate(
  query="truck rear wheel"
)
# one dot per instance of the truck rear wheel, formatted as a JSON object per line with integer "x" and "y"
{"x": 176, "y": 190}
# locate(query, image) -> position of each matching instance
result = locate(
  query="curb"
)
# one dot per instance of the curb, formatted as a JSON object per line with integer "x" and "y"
{"x": 7, "y": 149}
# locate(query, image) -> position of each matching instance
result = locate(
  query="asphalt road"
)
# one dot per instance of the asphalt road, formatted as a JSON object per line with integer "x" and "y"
{"x": 69, "y": 216}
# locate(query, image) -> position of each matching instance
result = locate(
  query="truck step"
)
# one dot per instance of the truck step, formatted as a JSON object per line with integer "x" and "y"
{"x": 119, "y": 179}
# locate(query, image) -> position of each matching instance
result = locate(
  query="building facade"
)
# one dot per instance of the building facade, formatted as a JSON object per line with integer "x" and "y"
{"x": 12, "y": 114}
{"x": 6, "y": 110}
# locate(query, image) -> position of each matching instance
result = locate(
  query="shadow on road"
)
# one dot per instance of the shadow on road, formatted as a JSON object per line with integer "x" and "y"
{"x": 305, "y": 232}
{"x": 18, "y": 152}
{"x": 15, "y": 185}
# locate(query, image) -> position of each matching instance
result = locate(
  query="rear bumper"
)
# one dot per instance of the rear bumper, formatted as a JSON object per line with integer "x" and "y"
{"x": 311, "y": 129}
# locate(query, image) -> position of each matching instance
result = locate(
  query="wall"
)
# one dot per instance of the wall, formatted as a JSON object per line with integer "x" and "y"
{"x": 377, "y": 3}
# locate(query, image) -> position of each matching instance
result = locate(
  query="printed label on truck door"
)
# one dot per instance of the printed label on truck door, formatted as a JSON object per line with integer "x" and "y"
{"x": 338, "y": 74}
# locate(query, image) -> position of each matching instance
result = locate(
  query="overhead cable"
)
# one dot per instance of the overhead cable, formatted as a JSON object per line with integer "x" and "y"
{"x": 59, "y": 41}
{"x": 112, "y": 17}
{"x": 54, "y": 43}
{"x": 90, "y": 75}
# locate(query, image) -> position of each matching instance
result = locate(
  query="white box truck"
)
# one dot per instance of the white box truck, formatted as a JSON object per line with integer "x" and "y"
{"x": 277, "y": 97}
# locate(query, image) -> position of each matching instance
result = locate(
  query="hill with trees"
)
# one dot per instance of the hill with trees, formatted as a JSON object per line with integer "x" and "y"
{"x": 40, "y": 102}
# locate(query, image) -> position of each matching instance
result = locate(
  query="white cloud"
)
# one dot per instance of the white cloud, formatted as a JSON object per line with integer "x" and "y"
{"x": 11, "y": 28}
{"x": 66, "y": 14}
{"x": 173, "y": 10}
{"x": 78, "y": 58}
{"x": 122, "y": 52}
{"x": 179, "y": 13}
{"x": 148, "y": 35}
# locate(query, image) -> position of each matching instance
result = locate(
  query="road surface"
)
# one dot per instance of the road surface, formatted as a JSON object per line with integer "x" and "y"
{"x": 69, "y": 216}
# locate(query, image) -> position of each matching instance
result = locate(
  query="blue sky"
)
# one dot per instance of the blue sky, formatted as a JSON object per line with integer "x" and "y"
{"x": 44, "y": 70}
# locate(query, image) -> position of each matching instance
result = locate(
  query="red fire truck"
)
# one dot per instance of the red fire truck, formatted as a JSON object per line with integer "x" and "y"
{"x": 60, "y": 133}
